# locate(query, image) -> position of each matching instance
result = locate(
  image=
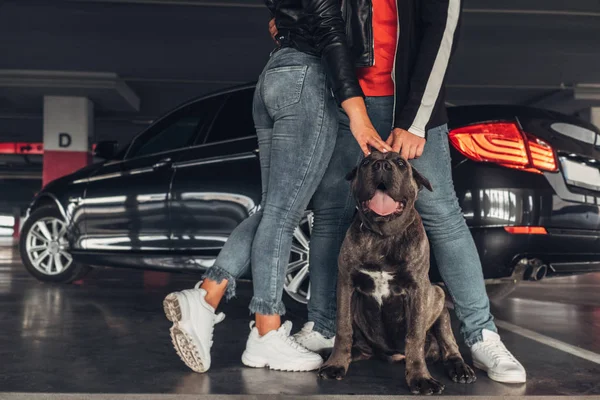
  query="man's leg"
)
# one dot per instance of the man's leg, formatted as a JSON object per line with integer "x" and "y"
{"x": 458, "y": 261}
{"x": 334, "y": 209}
{"x": 450, "y": 239}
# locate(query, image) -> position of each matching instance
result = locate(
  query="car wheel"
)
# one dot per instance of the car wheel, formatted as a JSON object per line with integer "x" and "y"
{"x": 297, "y": 283}
{"x": 45, "y": 250}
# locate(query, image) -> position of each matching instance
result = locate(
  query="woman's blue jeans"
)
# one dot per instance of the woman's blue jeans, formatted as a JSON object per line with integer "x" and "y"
{"x": 296, "y": 122}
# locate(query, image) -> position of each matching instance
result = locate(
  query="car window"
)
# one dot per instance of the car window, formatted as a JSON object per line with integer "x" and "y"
{"x": 175, "y": 136}
{"x": 235, "y": 118}
{"x": 177, "y": 130}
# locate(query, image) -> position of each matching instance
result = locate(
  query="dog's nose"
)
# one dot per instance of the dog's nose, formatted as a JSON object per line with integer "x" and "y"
{"x": 383, "y": 165}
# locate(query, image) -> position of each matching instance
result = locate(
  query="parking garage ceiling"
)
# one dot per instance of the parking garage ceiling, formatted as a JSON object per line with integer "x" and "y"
{"x": 543, "y": 52}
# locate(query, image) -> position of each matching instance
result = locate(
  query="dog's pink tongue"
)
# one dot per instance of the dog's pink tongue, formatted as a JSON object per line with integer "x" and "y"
{"x": 382, "y": 204}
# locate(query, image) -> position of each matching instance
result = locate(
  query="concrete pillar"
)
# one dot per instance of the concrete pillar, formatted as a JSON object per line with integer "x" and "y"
{"x": 595, "y": 116}
{"x": 68, "y": 135}
{"x": 16, "y": 224}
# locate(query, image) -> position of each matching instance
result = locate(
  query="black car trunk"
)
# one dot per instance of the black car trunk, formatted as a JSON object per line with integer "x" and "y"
{"x": 576, "y": 144}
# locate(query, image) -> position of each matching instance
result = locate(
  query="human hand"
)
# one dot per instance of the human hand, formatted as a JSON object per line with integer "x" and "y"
{"x": 361, "y": 126}
{"x": 407, "y": 144}
{"x": 366, "y": 135}
{"x": 273, "y": 30}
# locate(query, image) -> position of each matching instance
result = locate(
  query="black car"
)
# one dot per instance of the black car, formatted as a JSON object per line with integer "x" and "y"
{"x": 528, "y": 181}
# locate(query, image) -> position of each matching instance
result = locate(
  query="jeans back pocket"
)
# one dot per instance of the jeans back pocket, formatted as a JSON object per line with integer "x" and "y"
{"x": 282, "y": 86}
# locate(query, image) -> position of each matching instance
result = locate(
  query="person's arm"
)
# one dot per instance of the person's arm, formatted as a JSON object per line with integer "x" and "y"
{"x": 327, "y": 27}
{"x": 440, "y": 21}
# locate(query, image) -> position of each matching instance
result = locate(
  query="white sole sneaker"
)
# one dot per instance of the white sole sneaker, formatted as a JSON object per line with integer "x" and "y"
{"x": 176, "y": 308}
{"x": 279, "y": 351}
{"x": 502, "y": 378}
{"x": 252, "y": 361}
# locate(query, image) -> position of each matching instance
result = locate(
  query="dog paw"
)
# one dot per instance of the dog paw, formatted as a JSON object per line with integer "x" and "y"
{"x": 425, "y": 385}
{"x": 459, "y": 371}
{"x": 337, "y": 372}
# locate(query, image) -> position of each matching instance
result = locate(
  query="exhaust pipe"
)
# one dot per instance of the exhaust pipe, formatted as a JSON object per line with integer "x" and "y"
{"x": 532, "y": 269}
{"x": 538, "y": 272}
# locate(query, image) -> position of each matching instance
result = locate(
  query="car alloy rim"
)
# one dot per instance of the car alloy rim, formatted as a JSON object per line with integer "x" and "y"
{"x": 297, "y": 284}
{"x": 47, "y": 246}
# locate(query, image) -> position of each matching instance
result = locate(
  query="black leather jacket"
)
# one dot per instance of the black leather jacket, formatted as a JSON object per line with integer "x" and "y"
{"x": 316, "y": 27}
{"x": 427, "y": 33}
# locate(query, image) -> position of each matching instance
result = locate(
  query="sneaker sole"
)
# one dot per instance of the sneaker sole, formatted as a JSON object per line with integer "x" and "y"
{"x": 182, "y": 342}
{"x": 249, "y": 361}
{"x": 502, "y": 378}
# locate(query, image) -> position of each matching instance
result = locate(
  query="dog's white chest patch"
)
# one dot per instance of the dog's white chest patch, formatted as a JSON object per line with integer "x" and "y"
{"x": 381, "y": 281}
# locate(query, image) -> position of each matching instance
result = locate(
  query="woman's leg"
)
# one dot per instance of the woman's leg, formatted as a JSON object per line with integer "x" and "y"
{"x": 220, "y": 280}
{"x": 192, "y": 311}
{"x": 296, "y": 96}
{"x": 303, "y": 138}
{"x": 234, "y": 258}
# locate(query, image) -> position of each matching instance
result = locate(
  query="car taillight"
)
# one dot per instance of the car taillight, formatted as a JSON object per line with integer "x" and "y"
{"x": 526, "y": 230}
{"x": 503, "y": 143}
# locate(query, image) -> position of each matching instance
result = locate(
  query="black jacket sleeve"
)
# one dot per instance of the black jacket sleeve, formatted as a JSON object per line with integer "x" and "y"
{"x": 439, "y": 19}
{"x": 327, "y": 27}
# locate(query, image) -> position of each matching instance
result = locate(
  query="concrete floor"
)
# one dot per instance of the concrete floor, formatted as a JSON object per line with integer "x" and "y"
{"x": 108, "y": 334}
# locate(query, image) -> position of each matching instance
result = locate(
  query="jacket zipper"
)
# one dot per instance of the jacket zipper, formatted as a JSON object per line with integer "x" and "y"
{"x": 395, "y": 58}
{"x": 372, "y": 37}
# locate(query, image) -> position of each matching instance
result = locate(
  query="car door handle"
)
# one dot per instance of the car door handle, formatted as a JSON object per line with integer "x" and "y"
{"x": 162, "y": 163}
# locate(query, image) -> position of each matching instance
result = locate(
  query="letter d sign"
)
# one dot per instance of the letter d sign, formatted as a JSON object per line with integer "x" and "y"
{"x": 64, "y": 140}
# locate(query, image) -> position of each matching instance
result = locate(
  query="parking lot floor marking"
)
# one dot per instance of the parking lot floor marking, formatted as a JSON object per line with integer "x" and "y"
{"x": 548, "y": 341}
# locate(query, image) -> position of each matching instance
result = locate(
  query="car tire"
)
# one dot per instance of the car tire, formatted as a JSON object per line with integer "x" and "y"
{"x": 44, "y": 248}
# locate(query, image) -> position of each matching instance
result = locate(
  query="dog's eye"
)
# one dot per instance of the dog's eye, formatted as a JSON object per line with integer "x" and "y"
{"x": 400, "y": 162}
{"x": 364, "y": 162}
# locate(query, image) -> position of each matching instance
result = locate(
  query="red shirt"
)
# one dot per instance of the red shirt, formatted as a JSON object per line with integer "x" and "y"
{"x": 377, "y": 80}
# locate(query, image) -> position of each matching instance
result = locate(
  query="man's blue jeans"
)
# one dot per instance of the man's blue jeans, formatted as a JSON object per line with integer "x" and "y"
{"x": 450, "y": 240}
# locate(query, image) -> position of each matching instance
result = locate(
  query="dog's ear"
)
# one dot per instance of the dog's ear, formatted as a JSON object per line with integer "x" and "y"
{"x": 352, "y": 174}
{"x": 421, "y": 180}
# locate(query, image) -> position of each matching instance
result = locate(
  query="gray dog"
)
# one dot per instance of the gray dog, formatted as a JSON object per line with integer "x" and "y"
{"x": 386, "y": 305}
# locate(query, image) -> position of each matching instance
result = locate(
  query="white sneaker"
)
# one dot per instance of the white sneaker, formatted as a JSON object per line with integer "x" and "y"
{"x": 193, "y": 324}
{"x": 493, "y": 357}
{"x": 313, "y": 340}
{"x": 278, "y": 350}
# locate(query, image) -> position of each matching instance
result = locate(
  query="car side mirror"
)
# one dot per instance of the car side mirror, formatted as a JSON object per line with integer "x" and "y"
{"x": 106, "y": 149}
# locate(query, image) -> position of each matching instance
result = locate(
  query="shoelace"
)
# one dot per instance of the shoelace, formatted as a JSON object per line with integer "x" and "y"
{"x": 306, "y": 334}
{"x": 291, "y": 341}
{"x": 498, "y": 351}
